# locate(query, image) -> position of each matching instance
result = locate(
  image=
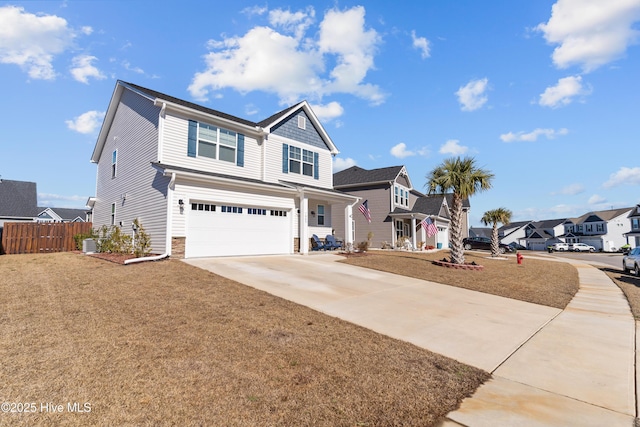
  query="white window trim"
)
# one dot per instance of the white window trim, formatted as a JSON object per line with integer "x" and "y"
{"x": 114, "y": 163}
{"x": 113, "y": 213}
{"x": 217, "y": 143}
{"x": 302, "y": 122}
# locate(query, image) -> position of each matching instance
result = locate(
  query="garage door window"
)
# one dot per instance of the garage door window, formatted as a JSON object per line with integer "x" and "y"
{"x": 203, "y": 207}
{"x": 231, "y": 209}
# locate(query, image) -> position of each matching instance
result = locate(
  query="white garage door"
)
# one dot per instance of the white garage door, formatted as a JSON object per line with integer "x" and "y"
{"x": 216, "y": 229}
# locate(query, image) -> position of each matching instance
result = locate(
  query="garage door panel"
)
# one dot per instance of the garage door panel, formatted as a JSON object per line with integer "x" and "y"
{"x": 217, "y": 233}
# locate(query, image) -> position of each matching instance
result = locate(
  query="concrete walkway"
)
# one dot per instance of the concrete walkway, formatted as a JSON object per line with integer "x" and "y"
{"x": 550, "y": 367}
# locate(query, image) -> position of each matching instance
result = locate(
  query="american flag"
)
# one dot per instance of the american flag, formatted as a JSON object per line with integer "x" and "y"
{"x": 429, "y": 226}
{"x": 364, "y": 208}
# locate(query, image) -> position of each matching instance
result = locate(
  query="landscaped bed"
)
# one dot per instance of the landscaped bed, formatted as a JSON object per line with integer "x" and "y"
{"x": 165, "y": 343}
{"x": 630, "y": 286}
{"x": 537, "y": 281}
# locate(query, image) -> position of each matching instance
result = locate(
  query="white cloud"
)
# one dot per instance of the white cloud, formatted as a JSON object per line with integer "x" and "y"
{"x": 596, "y": 199}
{"x": 328, "y": 111}
{"x": 624, "y": 175}
{"x": 296, "y": 22}
{"x": 570, "y": 190}
{"x": 127, "y": 66}
{"x": 563, "y": 93}
{"x": 472, "y": 96}
{"x": 83, "y": 68}
{"x": 87, "y": 122}
{"x": 342, "y": 164}
{"x": 590, "y": 33}
{"x": 533, "y": 136}
{"x": 86, "y": 30}
{"x": 422, "y": 44}
{"x": 453, "y": 147}
{"x": 32, "y": 41}
{"x": 400, "y": 151}
{"x": 294, "y": 67}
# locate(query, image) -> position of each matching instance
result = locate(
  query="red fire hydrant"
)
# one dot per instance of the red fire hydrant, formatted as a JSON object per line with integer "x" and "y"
{"x": 519, "y": 257}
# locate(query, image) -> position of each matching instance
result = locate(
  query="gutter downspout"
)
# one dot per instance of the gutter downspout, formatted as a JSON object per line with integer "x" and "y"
{"x": 167, "y": 251}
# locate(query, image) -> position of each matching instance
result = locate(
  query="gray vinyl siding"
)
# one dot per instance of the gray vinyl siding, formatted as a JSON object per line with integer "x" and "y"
{"x": 289, "y": 129}
{"x": 174, "y": 150}
{"x": 379, "y": 201}
{"x": 134, "y": 133}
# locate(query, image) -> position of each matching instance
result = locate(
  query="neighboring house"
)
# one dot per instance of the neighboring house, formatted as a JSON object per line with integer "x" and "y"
{"x": 18, "y": 201}
{"x": 633, "y": 236}
{"x": 206, "y": 183}
{"x": 61, "y": 215}
{"x": 604, "y": 230}
{"x": 513, "y": 232}
{"x": 396, "y": 208}
{"x": 540, "y": 234}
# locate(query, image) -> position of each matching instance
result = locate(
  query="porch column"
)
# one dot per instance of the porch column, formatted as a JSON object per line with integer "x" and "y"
{"x": 348, "y": 225}
{"x": 413, "y": 231}
{"x": 304, "y": 224}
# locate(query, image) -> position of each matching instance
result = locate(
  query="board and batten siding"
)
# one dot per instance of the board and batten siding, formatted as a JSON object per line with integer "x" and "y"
{"x": 138, "y": 190}
{"x": 274, "y": 164}
{"x": 193, "y": 191}
{"x": 174, "y": 150}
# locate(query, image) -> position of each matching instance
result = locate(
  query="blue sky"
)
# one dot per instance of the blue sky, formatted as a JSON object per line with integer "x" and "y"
{"x": 544, "y": 94}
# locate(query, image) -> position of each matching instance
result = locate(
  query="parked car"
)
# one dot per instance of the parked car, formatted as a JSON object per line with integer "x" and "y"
{"x": 582, "y": 247}
{"x": 560, "y": 247}
{"x": 483, "y": 243}
{"x": 631, "y": 261}
{"x": 516, "y": 246}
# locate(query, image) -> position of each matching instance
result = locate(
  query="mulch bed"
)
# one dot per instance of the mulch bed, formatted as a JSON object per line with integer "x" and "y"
{"x": 116, "y": 258}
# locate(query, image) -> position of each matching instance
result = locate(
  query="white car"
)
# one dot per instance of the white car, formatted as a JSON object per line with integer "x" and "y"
{"x": 631, "y": 262}
{"x": 582, "y": 247}
{"x": 560, "y": 246}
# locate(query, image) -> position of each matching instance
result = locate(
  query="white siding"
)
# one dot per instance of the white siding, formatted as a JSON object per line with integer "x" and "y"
{"x": 174, "y": 151}
{"x": 274, "y": 164}
{"x": 134, "y": 134}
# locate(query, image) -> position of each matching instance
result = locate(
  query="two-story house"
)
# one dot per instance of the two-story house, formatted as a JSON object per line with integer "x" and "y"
{"x": 604, "y": 230}
{"x": 396, "y": 208}
{"x": 205, "y": 183}
{"x": 540, "y": 234}
{"x": 633, "y": 236}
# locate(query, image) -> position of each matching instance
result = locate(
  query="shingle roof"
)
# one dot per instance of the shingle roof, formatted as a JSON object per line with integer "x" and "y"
{"x": 18, "y": 199}
{"x": 156, "y": 94}
{"x": 356, "y": 175}
{"x": 67, "y": 214}
{"x": 606, "y": 215}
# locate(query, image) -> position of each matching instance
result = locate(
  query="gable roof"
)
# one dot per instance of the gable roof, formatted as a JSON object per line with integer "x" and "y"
{"x": 162, "y": 99}
{"x": 606, "y": 215}
{"x": 18, "y": 199}
{"x": 356, "y": 175}
{"x": 65, "y": 214}
{"x": 548, "y": 223}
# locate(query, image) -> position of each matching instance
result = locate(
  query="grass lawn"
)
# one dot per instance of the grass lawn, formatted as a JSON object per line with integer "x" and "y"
{"x": 537, "y": 281}
{"x": 630, "y": 285}
{"x": 166, "y": 343}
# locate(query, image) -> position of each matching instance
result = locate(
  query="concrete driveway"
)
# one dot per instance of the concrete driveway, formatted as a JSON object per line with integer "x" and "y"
{"x": 475, "y": 328}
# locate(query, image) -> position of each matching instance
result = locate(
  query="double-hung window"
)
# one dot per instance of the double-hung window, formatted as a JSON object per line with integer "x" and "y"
{"x": 113, "y": 214}
{"x": 301, "y": 161}
{"x": 114, "y": 161}
{"x": 210, "y": 141}
{"x": 320, "y": 214}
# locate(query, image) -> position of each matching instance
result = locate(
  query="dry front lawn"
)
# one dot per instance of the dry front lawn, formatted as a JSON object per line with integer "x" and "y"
{"x": 537, "y": 281}
{"x": 630, "y": 286}
{"x": 165, "y": 343}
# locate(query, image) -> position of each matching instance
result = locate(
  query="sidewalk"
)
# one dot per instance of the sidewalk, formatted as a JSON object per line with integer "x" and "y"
{"x": 578, "y": 370}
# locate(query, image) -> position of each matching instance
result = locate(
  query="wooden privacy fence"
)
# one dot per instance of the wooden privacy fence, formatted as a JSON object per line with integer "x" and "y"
{"x": 41, "y": 237}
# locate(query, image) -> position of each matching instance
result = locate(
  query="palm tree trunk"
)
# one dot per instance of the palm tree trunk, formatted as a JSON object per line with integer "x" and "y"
{"x": 495, "y": 245}
{"x": 457, "y": 251}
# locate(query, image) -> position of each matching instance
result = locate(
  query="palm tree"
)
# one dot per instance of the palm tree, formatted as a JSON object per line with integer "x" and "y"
{"x": 495, "y": 216}
{"x": 463, "y": 178}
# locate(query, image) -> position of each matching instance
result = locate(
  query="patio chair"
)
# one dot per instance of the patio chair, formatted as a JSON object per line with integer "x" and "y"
{"x": 316, "y": 244}
{"x": 331, "y": 243}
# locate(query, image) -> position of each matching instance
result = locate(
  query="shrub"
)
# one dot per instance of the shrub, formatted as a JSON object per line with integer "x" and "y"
{"x": 142, "y": 243}
{"x": 363, "y": 246}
